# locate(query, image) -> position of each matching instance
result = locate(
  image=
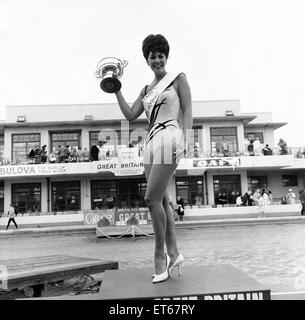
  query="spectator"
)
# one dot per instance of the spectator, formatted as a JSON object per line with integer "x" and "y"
{"x": 223, "y": 199}
{"x": 250, "y": 148}
{"x": 86, "y": 155}
{"x": 73, "y": 155}
{"x": 67, "y": 153}
{"x": 61, "y": 154}
{"x": 79, "y": 155}
{"x": 283, "y": 147}
{"x": 232, "y": 198}
{"x": 11, "y": 216}
{"x": 196, "y": 150}
{"x": 198, "y": 200}
{"x": 302, "y": 199}
{"x": 43, "y": 154}
{"x": 94, "y": 151}
{"x": 180, "y": 209}
{"x": 257, "y": 147}
{"x": 225, "y": 148}
{"x": 300, "y": 153}
{"x": 37, "y": 154}
{"x": 261, "y": 206}
{"x": 267, "y": 151}
{"x": 238, "y": 200}
{"x": 256, "y": 196}
{"x": 290, "y": 197}
{"x": 270, "y": 197}
{"x": 31, "y": 155}
{"x": 52, "y": 156}
{"x": 102, "y": 152}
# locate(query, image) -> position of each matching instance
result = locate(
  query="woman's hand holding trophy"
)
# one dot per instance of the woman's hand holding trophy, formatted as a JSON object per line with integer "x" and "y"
{"x": 110, "y": 70}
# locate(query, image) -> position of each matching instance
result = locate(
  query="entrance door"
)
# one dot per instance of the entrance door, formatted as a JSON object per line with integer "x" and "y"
{"x": 225, "y": 185}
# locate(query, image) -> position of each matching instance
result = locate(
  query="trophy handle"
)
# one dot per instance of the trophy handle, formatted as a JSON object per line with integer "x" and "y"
{"x": 124, "y": 63}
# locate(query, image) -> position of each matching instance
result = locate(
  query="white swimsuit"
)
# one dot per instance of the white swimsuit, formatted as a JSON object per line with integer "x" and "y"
{"x": 163, "y": 142}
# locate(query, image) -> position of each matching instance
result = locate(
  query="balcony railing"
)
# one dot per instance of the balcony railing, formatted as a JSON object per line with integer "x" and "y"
{"x": 297, "y": 152}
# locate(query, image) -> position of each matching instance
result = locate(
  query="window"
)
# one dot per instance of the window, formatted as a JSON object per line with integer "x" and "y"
{"x": 196, "y": 133}
{"x": 290, "y": 180}
{"x": 219, "y": 135}
{"x": 103, "y": 194}
{"x": 190, "y": 189}
{"x": 124, "y": 193}
{"x": 71, "y": 139}
{"x": 21, "y": 145}
{"x": 257, "y": 182}
{"x": 224, "y": 185}
{"x": 252, "y": 135}
{"x": 27, "y": 197}
{"x": 1, "y": 148}
{"x": 1, "y": 197}
{"x": 66, "y": 196}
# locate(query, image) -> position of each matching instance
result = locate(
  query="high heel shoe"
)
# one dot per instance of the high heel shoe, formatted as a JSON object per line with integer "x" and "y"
{"x": 177, "y": 264}
{"x": 163, "y": 276}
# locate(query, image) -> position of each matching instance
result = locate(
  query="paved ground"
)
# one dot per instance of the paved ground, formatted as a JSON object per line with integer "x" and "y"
{"x": 272, "y": 254}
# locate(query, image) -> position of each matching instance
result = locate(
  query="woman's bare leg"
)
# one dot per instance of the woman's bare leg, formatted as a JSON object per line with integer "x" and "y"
{"x": 159, "y": 176}
{"x": 170, "y": 234}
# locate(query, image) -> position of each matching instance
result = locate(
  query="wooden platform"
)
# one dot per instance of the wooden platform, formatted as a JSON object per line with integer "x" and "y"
{"x": 206, "y": 282}
{"x": 33, "y": 271}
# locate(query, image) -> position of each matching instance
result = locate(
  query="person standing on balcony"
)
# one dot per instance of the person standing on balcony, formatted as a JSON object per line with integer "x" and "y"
{"x": 283, "y": 146}
{"x": 257, "y": 147}
{"x": 168, "y": 106}
{"x": 225, "y": 148}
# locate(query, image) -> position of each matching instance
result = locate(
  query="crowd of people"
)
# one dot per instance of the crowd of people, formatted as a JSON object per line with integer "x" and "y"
{"x": 250, "y": 198}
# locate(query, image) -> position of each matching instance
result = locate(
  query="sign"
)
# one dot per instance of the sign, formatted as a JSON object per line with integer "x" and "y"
{"x": 216, "y": 162}
{"x": 94, "y": 217}
{"x": 122, "y": 218}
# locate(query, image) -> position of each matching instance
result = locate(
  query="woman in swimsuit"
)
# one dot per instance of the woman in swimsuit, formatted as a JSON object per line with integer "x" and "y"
{"x": 169, "y": 117}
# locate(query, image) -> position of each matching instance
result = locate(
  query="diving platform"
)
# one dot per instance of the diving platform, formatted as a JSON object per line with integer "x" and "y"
{"x": 203, "y": 282}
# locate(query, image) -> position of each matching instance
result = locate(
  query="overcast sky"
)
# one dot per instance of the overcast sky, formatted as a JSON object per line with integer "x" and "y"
{"x": 240, "y": 49}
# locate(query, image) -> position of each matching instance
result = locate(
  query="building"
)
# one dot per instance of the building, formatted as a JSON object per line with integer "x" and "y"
{"x": 117, "y": 180}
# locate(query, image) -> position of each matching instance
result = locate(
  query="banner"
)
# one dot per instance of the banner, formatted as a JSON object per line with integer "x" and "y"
{"x": 216, "y": 162}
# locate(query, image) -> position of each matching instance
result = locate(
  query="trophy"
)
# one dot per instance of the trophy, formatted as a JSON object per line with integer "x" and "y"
{"x": 110, "y": 70}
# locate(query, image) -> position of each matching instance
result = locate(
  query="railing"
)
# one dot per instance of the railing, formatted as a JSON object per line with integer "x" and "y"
{"x": 295, "y": 151}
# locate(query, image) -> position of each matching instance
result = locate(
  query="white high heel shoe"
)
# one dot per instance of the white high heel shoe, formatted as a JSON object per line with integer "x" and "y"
{"x": 177, "y": 264}
{"x": 163, "y": 276}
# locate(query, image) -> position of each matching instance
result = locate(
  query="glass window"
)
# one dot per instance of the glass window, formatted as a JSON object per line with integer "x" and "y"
{"x": 221, "y": 135}
{"x": 1, "y": 148}
{"x": 1, "y": 198}
{"x": 257, "y": 182}
{"x": 21, "y": 145}
{"x": 71, "y": 139}
{"x": 27, "y": 197}
{"x": 190, "y": 189}
{"x": 103, "y": 194}
{"x": 224, "y": 185}
{"x": 252, "y": 135}
{"x": 124, "y": 193}
{"x": 196, "y": 133}
{"x": 66, "y": 196}
{"x": 290, "y": 180}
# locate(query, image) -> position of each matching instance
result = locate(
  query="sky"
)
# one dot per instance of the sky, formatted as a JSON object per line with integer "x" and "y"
{"x": 253, "y": 51}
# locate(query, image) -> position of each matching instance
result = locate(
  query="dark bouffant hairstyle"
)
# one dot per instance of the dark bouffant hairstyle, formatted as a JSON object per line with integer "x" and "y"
{"x": 155, "y": 43}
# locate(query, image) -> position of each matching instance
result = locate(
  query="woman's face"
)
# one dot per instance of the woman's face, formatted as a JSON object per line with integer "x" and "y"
{"x": 157, "y": 61}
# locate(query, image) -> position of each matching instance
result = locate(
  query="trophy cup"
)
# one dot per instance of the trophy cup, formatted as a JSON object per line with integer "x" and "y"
{"x": 110, "y": 70}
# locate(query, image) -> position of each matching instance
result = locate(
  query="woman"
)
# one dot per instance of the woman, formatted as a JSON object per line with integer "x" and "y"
{"x": 168, "y": 107}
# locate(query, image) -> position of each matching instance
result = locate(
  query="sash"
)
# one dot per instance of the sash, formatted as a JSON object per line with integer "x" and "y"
{"x": 151, "y": 97}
